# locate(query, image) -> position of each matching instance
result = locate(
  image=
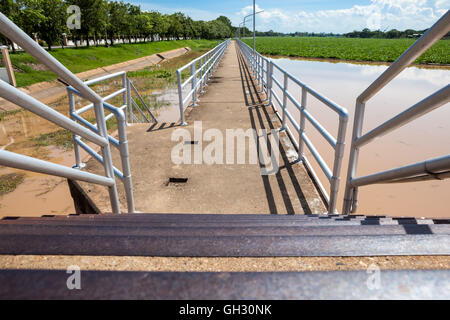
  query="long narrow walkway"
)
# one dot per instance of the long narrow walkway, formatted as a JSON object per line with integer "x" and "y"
{"x": 231, "y": 101}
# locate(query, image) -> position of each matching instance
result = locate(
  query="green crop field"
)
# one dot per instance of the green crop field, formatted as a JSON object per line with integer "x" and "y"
{"x": 29, "y": 71}
{"x": 386, "y": 50}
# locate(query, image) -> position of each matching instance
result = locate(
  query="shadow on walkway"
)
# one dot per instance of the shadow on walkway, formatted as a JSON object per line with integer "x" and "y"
{"x": 260, "y": 119}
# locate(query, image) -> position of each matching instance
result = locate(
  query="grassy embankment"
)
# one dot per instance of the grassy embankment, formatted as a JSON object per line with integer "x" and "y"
{"x": 355, "y": 49}
{"x": 29, "y": 71}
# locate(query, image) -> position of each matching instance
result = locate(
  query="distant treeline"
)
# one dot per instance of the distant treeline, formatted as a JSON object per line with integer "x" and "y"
{"x": 365, "y": 33}
{"x": 108, "y": 20}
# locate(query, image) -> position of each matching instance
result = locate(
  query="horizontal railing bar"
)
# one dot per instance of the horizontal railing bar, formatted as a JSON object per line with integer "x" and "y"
{"x": 421, "y": 108}
{"x": 79, "y": 118}
{"x": 439, "y": 29}
{"x": 109, "y": 116}
{"x": 93, "y": 127}
{"x": 114, "y": 94}
{"x": 212, "y": 51}
{"x": 97, "y": 157}
{"x": 318, "y": 157}
{"x": 322, "y": 189}
{"x": 103, "y": 78}
{"x": 331, "y": 140}
{"x": 29, "y": 103}
{"x": 85, "y": 108}
{"x": 426, "y": 177}
{"x": 188, "y": 96}
{"x": 429, "y": 166}
{"x": 91, "y": 105}
{"x": 278, "y": 83}
{"x": 22, "y": 162}
{"x": 294, "y": 123}
{"x": 334, "y": 106}
{"x": 187, "y": 81}
{"x": 276, "y": 97}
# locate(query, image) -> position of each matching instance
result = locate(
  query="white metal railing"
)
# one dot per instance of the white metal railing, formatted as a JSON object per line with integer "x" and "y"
{"x": 99, "y": 137}
{"x": 123, "y": 115}
{"x": 263, "y": 71}
{"x": 438, "y": 168}
{"x": 201, "y": 70}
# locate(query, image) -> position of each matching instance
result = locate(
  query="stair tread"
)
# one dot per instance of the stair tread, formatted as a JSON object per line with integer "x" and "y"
{"x": 51, "y": 284}
{"x": 226, "y": 246}
{"x": 100, "y": 230}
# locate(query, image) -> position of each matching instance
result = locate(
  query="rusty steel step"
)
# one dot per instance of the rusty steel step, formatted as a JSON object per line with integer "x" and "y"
{"x": 52, "y": 284}
{"x": 222, "y": 235}
{"x": 170, "y": 220}
{"x": 198, "y": 231}
{"x": 226, "y": 246}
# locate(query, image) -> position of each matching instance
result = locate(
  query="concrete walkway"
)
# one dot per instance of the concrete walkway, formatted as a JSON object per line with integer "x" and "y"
{"x": 231, "y": 101}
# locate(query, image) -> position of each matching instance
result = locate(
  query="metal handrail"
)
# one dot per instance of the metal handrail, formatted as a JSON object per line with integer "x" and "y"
{"x": 201, "y": 70}
{"x": 123, "y": 114}
{"x": 263, "y": 72}
{"x": 15, "y": 34}
{"x": 430, "y": 169}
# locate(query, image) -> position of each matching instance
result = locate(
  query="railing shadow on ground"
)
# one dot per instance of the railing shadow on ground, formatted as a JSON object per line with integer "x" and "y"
{"x": 257, "y": 113}
{"x": 162, "y": 125}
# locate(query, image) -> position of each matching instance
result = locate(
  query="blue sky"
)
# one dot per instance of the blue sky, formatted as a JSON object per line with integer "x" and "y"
{"x": 313, "y": 15}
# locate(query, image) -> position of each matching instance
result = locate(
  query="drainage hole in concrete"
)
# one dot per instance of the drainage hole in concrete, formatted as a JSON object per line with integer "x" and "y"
{"x": 177, "y": 180}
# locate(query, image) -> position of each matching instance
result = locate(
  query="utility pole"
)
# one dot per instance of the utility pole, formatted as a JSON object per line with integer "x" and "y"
{"x": 254, "y": 24}
{"x": 245, "y": 19}
{"x": 8, "y": 65}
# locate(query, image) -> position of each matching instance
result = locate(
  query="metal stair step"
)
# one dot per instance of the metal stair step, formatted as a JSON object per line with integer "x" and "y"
{"x": 51, "y": 284}
{"x": 120, "y": 230}
{"x": 226, "y": 246}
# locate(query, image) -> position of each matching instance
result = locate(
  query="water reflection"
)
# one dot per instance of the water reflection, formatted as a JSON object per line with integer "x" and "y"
{"x": 424, "y": 138}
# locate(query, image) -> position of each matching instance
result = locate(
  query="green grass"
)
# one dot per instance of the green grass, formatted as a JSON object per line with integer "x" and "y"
{"x": 9, "y": 182}
{"x": 61, "y": 138}
{"x": 383, "y": 50}
{"x": 29, "y": 71}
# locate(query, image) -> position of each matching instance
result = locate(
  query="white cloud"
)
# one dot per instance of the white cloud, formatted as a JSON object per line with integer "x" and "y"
{"x": 379, "y": 14}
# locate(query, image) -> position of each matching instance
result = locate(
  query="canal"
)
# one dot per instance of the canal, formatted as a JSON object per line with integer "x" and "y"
{"x": 424, "y": 138}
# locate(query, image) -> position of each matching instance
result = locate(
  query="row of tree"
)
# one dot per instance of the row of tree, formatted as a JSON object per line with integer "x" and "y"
{"x": 391, "y": 34}
{"x": 107, "y": 20}
{"x": 365, "y": 33}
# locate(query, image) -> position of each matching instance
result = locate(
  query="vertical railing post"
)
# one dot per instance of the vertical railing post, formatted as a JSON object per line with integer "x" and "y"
{"x": 338, "y": 155}
{"x": 125, "y": 95}
{"x": 210, "y": 65}
{"x": 269, "y": 81}
{"x": 107, "y": 158}
{"x": 129, "y": 102}
{"x": 201, "y": 75}
{"x": 285, "y": 88}
{"x": 180, "y": 99}
{"x": 125, "y": 157}
{"x": 301, "y": 132}
{"x": 261, "y": 73}
{"x": 76, "y": 147}
{"x": 351, "y": 193}
{"x": 194, "y": 84}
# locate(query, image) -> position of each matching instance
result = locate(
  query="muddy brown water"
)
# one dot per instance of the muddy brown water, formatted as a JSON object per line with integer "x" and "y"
{"x": 425, "y": 138}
